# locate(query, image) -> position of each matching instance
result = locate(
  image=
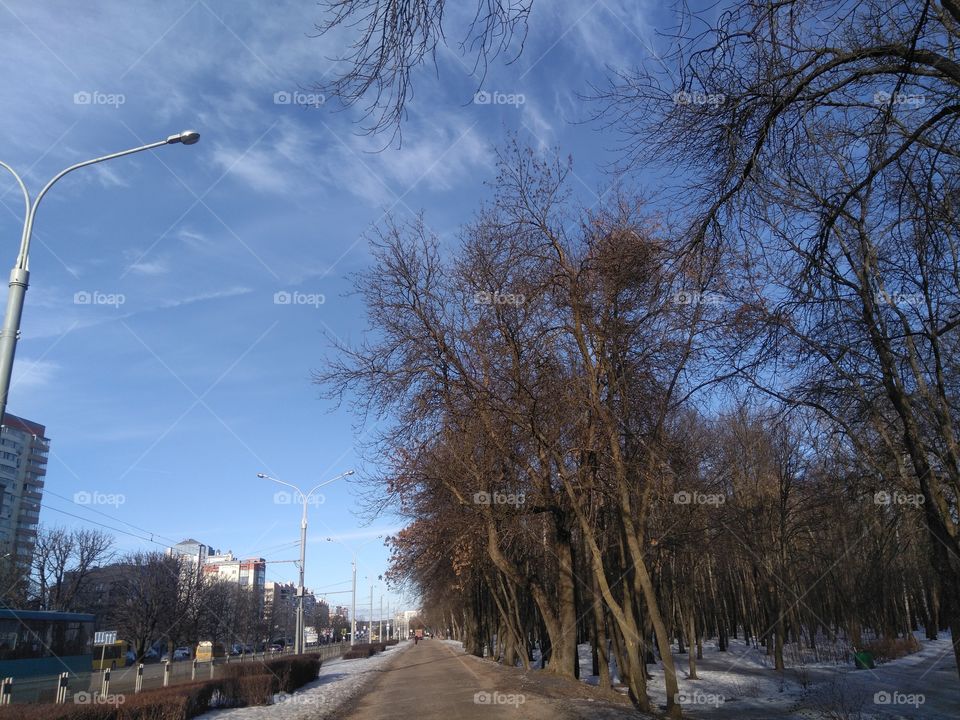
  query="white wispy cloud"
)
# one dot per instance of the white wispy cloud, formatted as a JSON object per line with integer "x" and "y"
{"x": 32, "y": 374}
{"x": 160, "y": 266}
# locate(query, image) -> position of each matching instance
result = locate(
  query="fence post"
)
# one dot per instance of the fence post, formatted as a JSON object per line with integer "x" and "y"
{"x": 139, "y": 686}
{"x": 211, "y": 668}
{"x": 6, "y": 691}
{"x": 105, "y": 683}
{"x": 166, "y": 673}
{"x": 193, "y": 670}
{"x": 62, "y": 688}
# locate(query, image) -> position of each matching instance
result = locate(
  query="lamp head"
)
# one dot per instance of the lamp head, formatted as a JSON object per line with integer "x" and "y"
{"x": 261, "y": 476}
{"x": 187, "y": 137}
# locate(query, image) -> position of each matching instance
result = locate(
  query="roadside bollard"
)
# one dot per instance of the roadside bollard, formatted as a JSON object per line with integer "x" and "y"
{"x": 62, "y": 688}
{"x": 211, "y": 668}
{"x": 105, "y": 683}
{"x": 139, "y": 686}
{"x": 193, "y": 670}
{"x": 166, "y": 674}
{"x": 6, "y": 691}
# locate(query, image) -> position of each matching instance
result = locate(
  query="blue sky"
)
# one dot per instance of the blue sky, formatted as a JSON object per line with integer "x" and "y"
{"x": 183, "y": 378}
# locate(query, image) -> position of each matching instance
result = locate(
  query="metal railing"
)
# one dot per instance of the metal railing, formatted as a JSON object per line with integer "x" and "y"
{"x": 81, "y": 687}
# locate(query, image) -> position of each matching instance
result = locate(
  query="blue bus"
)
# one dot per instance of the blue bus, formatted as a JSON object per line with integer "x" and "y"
{"x": 40, "y": 642}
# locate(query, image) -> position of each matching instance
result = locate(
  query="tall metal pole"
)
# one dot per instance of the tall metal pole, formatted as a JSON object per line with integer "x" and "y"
{"x": 305, "y": 498}
{"x": 20, "y": 275}
{"x": 298, "y": 641}
{"x": 380, "y": 629}
{"x": 353, "y": 609}
{"x": 370, "y": 623}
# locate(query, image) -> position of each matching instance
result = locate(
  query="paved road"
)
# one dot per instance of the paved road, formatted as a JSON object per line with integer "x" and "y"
{"x": 432, "y": 680}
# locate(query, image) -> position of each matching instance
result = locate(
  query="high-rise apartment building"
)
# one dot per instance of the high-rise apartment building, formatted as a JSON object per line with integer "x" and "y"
{"x": 23, "y": 466}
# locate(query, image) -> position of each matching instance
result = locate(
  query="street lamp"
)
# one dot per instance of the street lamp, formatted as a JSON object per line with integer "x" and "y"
{"x": 353, "y": 606}
{"x": 304, "y": 497}
{"x": 20, "y": 275}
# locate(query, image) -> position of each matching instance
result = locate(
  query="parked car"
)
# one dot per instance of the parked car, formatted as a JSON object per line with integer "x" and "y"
{"x": 275, "y": 647}
{"x": 181, "y": 653}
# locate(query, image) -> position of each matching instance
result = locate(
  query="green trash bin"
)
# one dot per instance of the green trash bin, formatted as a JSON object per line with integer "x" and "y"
{"x": 863, "y": 660}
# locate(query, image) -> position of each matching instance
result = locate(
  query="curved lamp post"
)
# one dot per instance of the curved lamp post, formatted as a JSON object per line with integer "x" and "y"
{"x": 20, "y": 275}
{"x": 304, "y": 498}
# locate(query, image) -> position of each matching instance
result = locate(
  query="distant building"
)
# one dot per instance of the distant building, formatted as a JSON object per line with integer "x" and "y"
{"x": 249, "y": 574}
{"x": 280, "y": 610}
{"x": 192, "y": 550}
{"x": 23, "y": 466}
{"x": 104, "y": 590}
{"x": 279, "y": 606}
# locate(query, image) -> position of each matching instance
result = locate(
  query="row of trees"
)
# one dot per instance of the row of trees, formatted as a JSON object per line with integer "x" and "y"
{"x": 592, "y": 460}
{"x": 726, "y": 409}
{"x": 147, "y": 597}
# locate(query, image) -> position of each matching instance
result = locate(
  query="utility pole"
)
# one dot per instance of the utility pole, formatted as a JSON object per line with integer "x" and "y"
{"x": 380, "y": 631}
{"x": 370, "y": 624}
{"x": 353, "y": 609}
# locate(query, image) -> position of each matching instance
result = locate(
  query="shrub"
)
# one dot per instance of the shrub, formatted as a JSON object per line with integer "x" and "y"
{"x": 363, "y": 650}
{"x": 294, "y": 672}
{"x": 179, "y": 702}
{"x": 392, "y": 641}
{"x": 286, "y": 673}
{"x": 242, "y": 685}
{"x": 885, "y": 649}
{"x": 247, "y": 689}
{"x": 45, "y": 711}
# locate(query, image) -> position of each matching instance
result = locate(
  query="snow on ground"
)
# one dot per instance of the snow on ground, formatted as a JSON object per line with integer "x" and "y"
{"x": 339, "y": 681}
{"x": 741, "y": 684}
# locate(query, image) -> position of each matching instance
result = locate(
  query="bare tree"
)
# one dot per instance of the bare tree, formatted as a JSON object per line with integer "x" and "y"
{"x": 394, "y": 39}
{"x": 148, "y": 591}
{"x": 824, "y": 142}
{"x": 62, "y": 562}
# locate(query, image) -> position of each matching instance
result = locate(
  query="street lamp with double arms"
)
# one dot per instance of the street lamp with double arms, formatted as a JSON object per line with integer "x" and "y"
{"x": 20, "y": 275}
{"x": 304, "y": 498}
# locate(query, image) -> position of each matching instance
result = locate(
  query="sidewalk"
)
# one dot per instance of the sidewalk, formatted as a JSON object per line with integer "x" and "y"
{"x": 339, "y": 682}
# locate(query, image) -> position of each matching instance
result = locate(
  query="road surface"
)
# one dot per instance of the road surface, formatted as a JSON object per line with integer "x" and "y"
{"x": 436, "y": 680}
